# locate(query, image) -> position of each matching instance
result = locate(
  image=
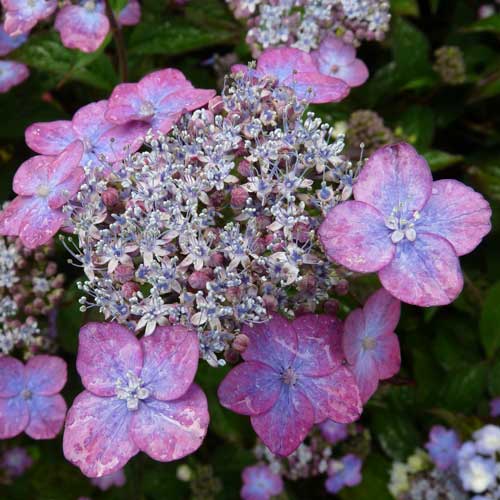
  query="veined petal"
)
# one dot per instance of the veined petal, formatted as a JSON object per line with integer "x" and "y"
{"x": 46, "y": 375}
{"x": 12, "y": 377}
{"x": 382, "y": 312}
{"x": 50, "y": 138}
{"x": 14, "y": 416}
{"x": 31, "y": 175}
{"x": 46, "y": 416}
{"x": 354, "y": 235}
{"x": 425, "y": 272}
{"x": 14, "y": 214}
{"x": 317, "y": 88}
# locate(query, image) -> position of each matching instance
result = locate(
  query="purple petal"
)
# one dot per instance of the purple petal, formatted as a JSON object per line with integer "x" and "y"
{"x": 443, "y": 446}
{"x": 354, "y": 235}
{"x": 250, "y": 388}
{"x": 130, "y": 14}
{"x": 457, "y": 213}
{"x": 282, "y": 63}
{"x": 90, "y": 123}
{"x": 333, "y": 432}
{"x": 273, "y": 343}
{"x": 66, "y": 164}
{"x": 31, "y": 175}
{"x": 352, "y": 470}
{"x": 81, "y": 28}
{"x": 317, "y": 88}
{"x": 14, "y": 214}
{"x": 335, "y": 396}
{"x": 96, "y": 435}
{"x": 319, "y": 350}
{"x": 46, "y": 416}
{"x": 286, "y": 424}
{"x": 106, "y": 352}
{"x": 46, "y": 375}
{"x": 14, "y": 416}
{"x": 425, "y": 272}
{"x": 395, "y": 175}
{"x": 260, "y": 483}
{"x": 12, "y": 73}
{"x": 11, "y": 377}
{"x": 169, "y": 430}
{"x": 21, "y": 15}
{"x": 9, "y": 43}
{"x": 124, "y": 104}
{"x": 50, "y": 138}
{"x": 171, "y": 356}
{"x": 67, "y": 189}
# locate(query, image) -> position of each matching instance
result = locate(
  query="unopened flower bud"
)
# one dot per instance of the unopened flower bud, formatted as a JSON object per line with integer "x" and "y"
{"x": 198, "y": 280}
{"x": 331, "y": 307}
{"x": 110, "y": 197}
{"x": 342, "y": 287}
{"x": 231, "y": 356}
{"x": 239, "y": 196}
{"x": 270, "y": 302}
{"x": 241, "y": 342}
{"x": 123, "y": 273}
{"x": 129, "y": 289}
{"x": 244, "y": 168}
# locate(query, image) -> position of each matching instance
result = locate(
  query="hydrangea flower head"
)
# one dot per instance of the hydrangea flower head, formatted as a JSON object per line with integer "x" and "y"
{"x": 488, "y": 439}
{"x": 292, "y": 378}
{"x": 83, "y": 26}
{"x": 29, "y": 396}
{"x": 333, "y": 432}
{"x": 159, "y": 100}
{"x": 296, "y": 69}
{"x": 406, "y": 227}
{"x": 116, "y": 478}
{"x": 12, "y": 73}
{"x": 477, "y": 473}
{"x": 370, "y": 345}
{"x": 9, "y": 43}
{"x": 344, "y": 472}
{"x": 260, "y": 483}
{"x": 22, "y": 15}
{"x": 43, "y": 185}
{"x": 139, "y": 396}
{"x": 443, "y": 446}
{"x": 101, "y": 140}
{"x": 338, "y": 59}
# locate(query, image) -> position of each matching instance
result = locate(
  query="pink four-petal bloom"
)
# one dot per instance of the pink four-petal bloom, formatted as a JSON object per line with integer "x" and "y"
{"x": 139, "y": 396}
{"x": 370, "y": 345}
{"x": 337, "y": 58}
{"x": 296, "y": 69}
{"x": 101, "y": 140}
{"x": 260, "y": 483}
{"x": 12, "y": 73}
{"x": 43, "y": 185}
{"x": 406, "y": 227}
{"x": 29, "y": 396}
{"x": 292, "y": 377}
{"x": 22, "y": 15}
{"x": 158, "y": 100}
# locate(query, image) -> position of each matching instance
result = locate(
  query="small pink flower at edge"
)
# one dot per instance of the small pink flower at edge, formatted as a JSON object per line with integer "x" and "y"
{"x": 117, "y": 479}
{"x": 12, "y": 73}
{"x": 43, "y": 185}
{"x": 22, "y": 15}
{"x": 406, "y": 227}
{"x": 260, "y": 483}
{"x": 139, "y": 396}
{"x": 29, "y": 396}
{"x": 159, "y": 100}
{"x": 292, "y": 377}
{"x": 370, "y": 345}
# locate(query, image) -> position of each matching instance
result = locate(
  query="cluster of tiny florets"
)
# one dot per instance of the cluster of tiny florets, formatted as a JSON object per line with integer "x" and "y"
{"x": 30, "y": 289}
{"x": 214, "y": 226}
{"x": 450, "y": 65}
{"x": 304, "y": 23}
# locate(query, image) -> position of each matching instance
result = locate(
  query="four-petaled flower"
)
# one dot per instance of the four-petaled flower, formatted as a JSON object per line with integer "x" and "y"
{"x": 343, "y": 472}
{"x": 12, "y": 73}
{"x": 102, "y": 141}
{"x": 22, "y": 15}
{"x": 159, "y": 100}
{"x": 370, "y": 345}
{"x": 139, "y": 396}
{"x": 337, "y": 58}
{"x": 443, "y": 446}
{"x": 406, "y": 227}
{"x": 292, "y": 377}
{"x": 296, "y": 69}
{"x": 260, "y": 483}
{"x": 29, "y": 396}
{"x": 43, "y": 184}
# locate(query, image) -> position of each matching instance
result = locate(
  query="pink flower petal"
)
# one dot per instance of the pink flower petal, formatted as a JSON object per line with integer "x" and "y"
{"x": 354, "y": 331}
{"x": 457, "y": 213}
{"x": 273, "y": 343}
{"x": 14, "y": 416}
{"x": 387, "y": 355}
{"x": 32, "y": 174}
{"x": 46, "y": 416}
{"x": 250, "y": 388}
{"x": 158, "y": 85}
{"x": 46, "y": 375}
{"x": 11, "y": 377}
{"x": 367, "y": 376}
{"x": 106, "y": 352}
{"x": 354, "y": 235}
{"x": 124, "y": 104}
{"x": 90, "y": 123}
{"x": 171, "y": 356}
{"x": 97, "y": 435}
{"x": 319, "y": 351}
{"x": 15, "y": 213}
{"x": 286, "y": 424}
{"x": 9, "y": 43}
{"x": 393, "y": 175}
{"x": 81, "y": 28}
{"x": 22, "y": 15}
{"x": 284, "y": 62}
{"x": 382, "y": 311}
{"x": 425, "y": 272}
{"x": 66, "y": 164}
{"x": 317, "y": 88}
{"x": 130, "y": 14}
{"x": 12, "y": 73}
{"x": 67, "y": 189}
{"x": 335, "y": 396}
{"x": 50, "y": 138}
{"x": 169, "y": 430}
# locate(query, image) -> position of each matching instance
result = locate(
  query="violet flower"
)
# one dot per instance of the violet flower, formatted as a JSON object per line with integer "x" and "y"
{"x": 22, "y": 15}
{"x": 12, "y": 73}
{"x": 260, "y": 483}
{"x": 344, "y": 472}
{"x": 443, "y": 446}
{"x": 406, "y": 227}
{"x": 9, "y": 43}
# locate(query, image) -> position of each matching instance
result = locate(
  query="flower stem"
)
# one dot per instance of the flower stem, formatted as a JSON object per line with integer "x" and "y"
{"x": 121, "y": 52}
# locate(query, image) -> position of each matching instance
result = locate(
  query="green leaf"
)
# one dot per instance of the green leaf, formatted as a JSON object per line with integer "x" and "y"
{"x": 438, "y": 160}
{"x": 494, "y": 379}
{"x": 417, "y": 126}
{"x": 489, "y": 325}
{"x": 45, "y": 53}
{"x": 491, "y": 23}
{"x": 69, "y": 319}
{"x": 465, "y": 425}
{"x": 404, "y": 7}
{"x": 118, "y": 5}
